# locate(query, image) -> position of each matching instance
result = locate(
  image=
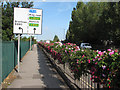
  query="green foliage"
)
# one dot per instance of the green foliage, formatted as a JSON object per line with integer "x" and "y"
{"x": 95, "y": 21}
{"x": 7, "y": 18}
{"x": 25, "y": 39}
{"x": 52, "y": 41}
{"x": 56, "y": 39}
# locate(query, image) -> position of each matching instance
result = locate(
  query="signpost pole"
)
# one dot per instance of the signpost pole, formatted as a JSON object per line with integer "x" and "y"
{"x": 18, "y": 52}
{"x": 30, "y": 42}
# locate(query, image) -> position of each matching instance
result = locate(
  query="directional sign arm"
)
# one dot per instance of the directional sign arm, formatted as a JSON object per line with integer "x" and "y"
{"x": 20, "y": 29}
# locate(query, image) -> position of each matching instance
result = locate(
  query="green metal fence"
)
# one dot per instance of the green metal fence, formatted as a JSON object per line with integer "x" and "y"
{"x": 9, "y": 55}
{"x": 0, "y": 62}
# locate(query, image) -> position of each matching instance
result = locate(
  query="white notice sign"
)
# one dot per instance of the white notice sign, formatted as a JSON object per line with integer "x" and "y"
{"x": 27, "y": 21}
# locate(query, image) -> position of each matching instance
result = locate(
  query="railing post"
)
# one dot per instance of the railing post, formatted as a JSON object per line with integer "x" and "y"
{"x": 98, "y": 86}
{"x": 64, "y": 67}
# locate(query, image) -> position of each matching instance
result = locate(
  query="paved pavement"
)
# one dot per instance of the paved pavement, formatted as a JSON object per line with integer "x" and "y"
{"x": 37, "y": 72}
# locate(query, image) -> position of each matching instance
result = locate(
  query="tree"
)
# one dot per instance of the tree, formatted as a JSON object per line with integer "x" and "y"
{"x": 56, "y": 39}
{"x": 7, "y": 18}
{"x": 94, "y": 22}
{"x": 24, "y": 39}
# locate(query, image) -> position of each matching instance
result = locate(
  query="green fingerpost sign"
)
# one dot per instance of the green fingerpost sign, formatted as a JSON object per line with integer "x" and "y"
{"x": 34, "y": 18}
{"x": 34, "y": 25}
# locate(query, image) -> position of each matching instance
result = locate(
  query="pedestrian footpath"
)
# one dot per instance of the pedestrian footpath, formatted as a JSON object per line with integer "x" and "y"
{"x": 37, "y": 72}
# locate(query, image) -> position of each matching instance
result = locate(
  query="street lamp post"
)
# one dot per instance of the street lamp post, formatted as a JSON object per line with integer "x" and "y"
{"x": 64, "y": 34}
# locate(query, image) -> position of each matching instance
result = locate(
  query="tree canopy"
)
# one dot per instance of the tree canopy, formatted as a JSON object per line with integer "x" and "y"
{"x": 7, "y": 18}
{"x": 95, "y": 22}
{"x": 56, "y": 39}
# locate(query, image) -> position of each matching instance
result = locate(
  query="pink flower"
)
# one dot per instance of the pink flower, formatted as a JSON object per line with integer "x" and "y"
{"x": 51, "y": 50}
{"x": 83, "y": 56}
{"x": 93, "y": 73}
{"x": 109, "y": 50}
{"x": 95, "y": 76}
{"x": 89, "y": 61}
{"x": 100, "y": 53}
{"x": 93, "y": 59}
{"x": 96, "y": 63}
{"x": 77, "y": 59}
{"x": 48, "y": 46}
{"x": 104, "y": 51}
{"x": 108, "y": 79}
{"x": 66, "y": 51}
{"x": 99, "y": 59}
{"x": 81, "y": 61}
{"x": 96, "y": 57}
{"x": 111, "y": 53}
{"x": 103, "y": 75}
{"x": 104, "y": 67}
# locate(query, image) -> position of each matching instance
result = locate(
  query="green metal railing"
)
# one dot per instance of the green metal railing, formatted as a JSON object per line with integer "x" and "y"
{"x": 0, "y": 62}
{"x": 9, "y": 55}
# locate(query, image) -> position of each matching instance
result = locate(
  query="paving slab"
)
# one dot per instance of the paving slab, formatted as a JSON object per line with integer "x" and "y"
{"x": 37, "y": 72}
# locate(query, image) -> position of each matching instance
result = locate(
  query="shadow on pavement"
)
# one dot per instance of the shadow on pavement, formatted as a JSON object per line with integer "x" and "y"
{"x": 50, "y": 76}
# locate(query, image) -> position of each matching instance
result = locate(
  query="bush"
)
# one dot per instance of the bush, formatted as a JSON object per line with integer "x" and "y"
{"x": 103, "y": 66}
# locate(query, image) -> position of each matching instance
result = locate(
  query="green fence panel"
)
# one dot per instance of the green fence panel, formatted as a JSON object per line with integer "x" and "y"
{"x": 9, "y": 55}
{"x": 24, "y": 47}
{"x": 7, "y": 58}
{"x": 15, "y": 53}
{"x": 32, "y": 42}
{"x": 0, "y": 62}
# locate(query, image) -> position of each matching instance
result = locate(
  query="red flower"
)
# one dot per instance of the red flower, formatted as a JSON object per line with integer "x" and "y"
{"x": 116, "y": 50}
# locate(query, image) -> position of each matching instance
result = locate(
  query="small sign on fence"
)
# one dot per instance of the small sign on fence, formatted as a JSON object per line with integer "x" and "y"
{"x": 27, "y": 21}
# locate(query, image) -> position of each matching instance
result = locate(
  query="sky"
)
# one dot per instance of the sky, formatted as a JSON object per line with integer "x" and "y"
{"x": 56, "y": 18}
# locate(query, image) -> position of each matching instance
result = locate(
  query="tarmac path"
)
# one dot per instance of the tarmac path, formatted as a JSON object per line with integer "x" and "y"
{"x": 37, "y": 72}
